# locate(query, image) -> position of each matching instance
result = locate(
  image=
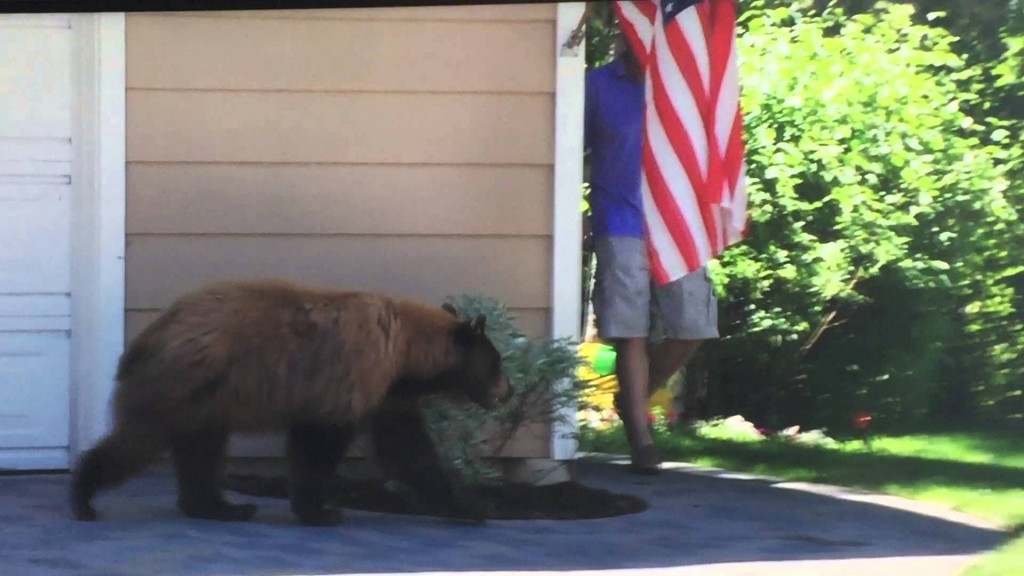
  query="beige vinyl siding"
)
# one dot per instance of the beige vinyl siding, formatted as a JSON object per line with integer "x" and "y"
{"x": 500, "y": 13}
{"x": 415, "y": 56}
{"x": 332, "y": 127}
{"x": 406, "y": 150}
{"x": 400, "y": 149}
{"x": 355, "y": 261}
{"x": 489, "y": 200}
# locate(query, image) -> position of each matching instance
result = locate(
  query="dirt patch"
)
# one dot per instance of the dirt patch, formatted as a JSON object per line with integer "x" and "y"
{"x": 559, "y": 501}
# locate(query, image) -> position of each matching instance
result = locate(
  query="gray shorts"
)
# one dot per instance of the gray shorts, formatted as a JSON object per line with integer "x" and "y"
{"x": 628, "y": 304}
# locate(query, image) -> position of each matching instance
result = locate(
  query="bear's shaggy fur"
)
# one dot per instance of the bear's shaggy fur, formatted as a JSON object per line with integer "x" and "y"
{"x": 262, "y": 355}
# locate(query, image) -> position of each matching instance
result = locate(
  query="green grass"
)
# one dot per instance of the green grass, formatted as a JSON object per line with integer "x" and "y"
{"x": 1007, "y": 561}
{"x": 977, "y": 473}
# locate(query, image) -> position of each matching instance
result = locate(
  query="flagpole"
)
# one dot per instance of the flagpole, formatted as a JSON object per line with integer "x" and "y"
{"x": 577, "y": 35}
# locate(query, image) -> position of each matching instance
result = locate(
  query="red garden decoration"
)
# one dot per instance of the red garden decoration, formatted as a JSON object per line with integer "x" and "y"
{"x": 861, "y": 420}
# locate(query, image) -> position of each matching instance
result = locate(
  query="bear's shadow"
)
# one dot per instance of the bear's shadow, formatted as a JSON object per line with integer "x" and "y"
{"x": 567, "y": 500}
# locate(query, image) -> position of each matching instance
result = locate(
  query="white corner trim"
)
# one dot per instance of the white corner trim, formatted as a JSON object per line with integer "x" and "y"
{"x": 567, "y": 249}
{"x": 97, "y": 223}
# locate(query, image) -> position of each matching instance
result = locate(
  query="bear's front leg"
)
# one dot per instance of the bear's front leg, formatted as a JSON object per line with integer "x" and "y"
{"x": 314, "y": 451}
{"x": 406, "y": 453}
{"x": 198, "y": 463}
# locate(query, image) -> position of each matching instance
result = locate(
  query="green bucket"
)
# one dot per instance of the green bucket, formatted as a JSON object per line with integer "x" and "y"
{"x": 604, "y": 360}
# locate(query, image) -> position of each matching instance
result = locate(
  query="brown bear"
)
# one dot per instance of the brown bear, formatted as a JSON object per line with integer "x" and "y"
{"x": 262, "y": 355}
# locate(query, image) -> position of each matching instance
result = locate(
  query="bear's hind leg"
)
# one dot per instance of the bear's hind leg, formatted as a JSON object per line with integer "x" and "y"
{"x": 407, "y": 453}
{"x": 198, "y": 463}
{"x": 314, "y": 451}
{"x": 127, "y": 451}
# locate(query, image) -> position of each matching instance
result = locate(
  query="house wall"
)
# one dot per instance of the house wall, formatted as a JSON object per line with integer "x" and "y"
{"x": 401, "y": 149}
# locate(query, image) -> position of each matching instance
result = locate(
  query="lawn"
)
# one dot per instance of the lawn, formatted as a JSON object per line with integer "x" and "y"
{"x": 978, "y": 473}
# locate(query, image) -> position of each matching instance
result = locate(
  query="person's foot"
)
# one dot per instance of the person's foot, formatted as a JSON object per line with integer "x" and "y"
{"x": 646, "y": 461}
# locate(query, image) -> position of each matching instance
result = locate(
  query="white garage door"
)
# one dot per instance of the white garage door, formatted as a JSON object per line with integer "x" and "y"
{"x": 36, "y": 112}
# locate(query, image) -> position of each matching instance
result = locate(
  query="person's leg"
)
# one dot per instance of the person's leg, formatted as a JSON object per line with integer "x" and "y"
{"x": 668, "y": 357}
{"x": 622, "y": 310}
{"x": 631, "y": 370}
{"x": 687, "y": 311}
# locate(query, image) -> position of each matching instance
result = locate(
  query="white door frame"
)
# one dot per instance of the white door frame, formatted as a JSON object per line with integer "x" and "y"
{"x": 567, "y": 249}
{"x": 97, "y": 223}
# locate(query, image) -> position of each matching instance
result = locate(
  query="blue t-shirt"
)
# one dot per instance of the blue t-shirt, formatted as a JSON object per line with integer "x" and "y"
{"x": 613, "y": 131}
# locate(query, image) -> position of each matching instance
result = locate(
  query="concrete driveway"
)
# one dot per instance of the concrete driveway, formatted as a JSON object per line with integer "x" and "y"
{"x": 699, "y": 522}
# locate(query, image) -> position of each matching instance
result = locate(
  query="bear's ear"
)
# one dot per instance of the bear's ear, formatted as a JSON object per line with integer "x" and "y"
{"x": 450, "y": 309}
{"x": 479, "y": 323}
{"x": 468, "y": 332}
{"x": 463, "y": 334}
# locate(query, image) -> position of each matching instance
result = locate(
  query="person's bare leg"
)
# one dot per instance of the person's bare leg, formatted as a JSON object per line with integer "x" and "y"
{"x": 666, "y": 358}
{"x": 632, "y": 372}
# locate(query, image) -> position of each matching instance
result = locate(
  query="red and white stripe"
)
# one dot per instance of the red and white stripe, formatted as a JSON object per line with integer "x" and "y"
{"x": 693, "y": 190}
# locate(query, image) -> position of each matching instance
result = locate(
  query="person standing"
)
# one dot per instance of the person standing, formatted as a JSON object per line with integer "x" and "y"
{"x": 630, "y": 309}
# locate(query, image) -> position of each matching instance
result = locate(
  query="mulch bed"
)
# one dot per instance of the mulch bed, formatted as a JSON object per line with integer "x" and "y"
{"x": 558, "y": 501}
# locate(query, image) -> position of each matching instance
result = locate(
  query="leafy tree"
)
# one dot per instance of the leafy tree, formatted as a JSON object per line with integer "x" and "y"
{"x": 884, "y": 262}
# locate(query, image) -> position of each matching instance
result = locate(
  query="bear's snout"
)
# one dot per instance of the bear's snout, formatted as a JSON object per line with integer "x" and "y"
{"x": 503, "y": 393}
{"x": 496, "y": 395}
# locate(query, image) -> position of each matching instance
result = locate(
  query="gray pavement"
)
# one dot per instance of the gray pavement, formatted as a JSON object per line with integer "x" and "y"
{"x": 700, "y": 522}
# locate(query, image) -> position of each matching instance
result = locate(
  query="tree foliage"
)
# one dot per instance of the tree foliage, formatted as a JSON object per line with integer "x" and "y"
{"x": 883, "y": 269}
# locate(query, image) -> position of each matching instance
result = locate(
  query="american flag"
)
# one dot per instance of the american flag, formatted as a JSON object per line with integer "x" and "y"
{"x": 695, "y": 202}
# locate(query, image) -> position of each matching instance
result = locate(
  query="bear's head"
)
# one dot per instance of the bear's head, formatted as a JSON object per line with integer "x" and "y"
{"x": 480, "y": 375}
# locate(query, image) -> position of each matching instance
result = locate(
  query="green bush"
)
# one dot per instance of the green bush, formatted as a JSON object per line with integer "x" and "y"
{"x": 881, "y": 222}
{"x": 884, "y": 269}
{"x": 543, "y": 374}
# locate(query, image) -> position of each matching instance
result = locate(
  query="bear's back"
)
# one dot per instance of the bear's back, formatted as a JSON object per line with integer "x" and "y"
{"x": 275, "y": 315}
{"x": 273, "y": 336}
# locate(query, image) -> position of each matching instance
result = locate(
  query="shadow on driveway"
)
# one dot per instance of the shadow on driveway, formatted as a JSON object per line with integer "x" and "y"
{"x": 697, "y": 523}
